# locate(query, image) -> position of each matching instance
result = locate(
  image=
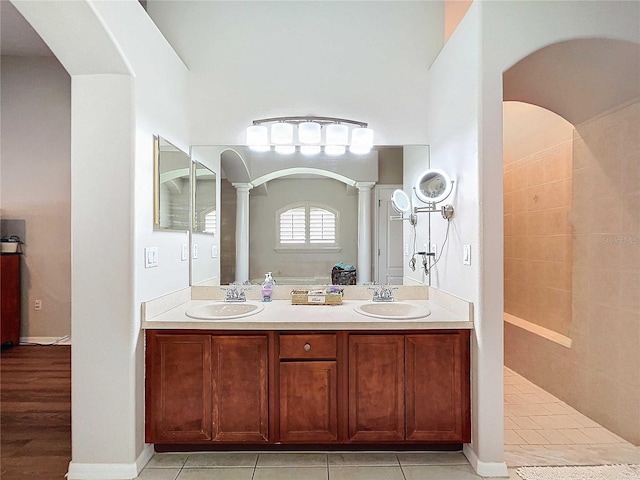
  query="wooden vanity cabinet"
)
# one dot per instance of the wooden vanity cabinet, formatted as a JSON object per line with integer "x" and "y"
{"x": 240, "y": 401}
{"x": 178, "y": 388}
{"x": 437, "y": 387}
{"x": 10, "y": 299}
{"x": 203, "y": 388}
{"x": 308, "y": 388}
{"x": 376, "y": 388}
{"x": 411, "y": 388}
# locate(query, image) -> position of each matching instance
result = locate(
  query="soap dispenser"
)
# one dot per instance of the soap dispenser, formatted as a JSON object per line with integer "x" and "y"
{"x": 267, "y": 287}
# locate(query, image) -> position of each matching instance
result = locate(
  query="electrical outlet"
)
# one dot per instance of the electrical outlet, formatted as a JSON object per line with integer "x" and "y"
{"x": 406, "y": 249}
{"x": 195, "y": 251}
{"x": 37, "y": 305}
{"x": 150, "y": 257}
{"x": 434, "y": 249}
{"x": 185, "y": 252}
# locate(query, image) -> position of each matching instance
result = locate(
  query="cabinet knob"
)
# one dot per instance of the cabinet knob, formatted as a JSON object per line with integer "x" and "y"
{"x": 307, "y": 347}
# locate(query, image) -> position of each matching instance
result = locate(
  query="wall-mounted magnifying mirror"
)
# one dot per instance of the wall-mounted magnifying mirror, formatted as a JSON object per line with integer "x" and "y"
{"x": 171, "y": 186}
{"x": 433, "y": 186}
{"x": 400, "y": 201}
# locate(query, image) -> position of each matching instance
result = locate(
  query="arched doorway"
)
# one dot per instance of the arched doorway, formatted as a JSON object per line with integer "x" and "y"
{"x": 570, "y": 340}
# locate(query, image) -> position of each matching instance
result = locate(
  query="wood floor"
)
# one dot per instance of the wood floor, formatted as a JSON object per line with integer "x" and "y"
{"x": 35, "y": 412}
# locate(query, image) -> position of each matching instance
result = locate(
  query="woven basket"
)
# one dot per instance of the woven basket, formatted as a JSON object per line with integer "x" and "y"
{"x": 304, "y": 297}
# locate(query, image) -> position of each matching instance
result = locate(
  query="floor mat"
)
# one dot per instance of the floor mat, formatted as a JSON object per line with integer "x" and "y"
{"x": 598, "y": 472}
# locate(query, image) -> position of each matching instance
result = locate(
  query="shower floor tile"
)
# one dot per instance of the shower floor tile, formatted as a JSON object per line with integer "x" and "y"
{"x": 540, "y": 429}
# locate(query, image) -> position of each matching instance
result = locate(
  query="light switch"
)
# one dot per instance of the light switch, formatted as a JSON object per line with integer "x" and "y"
{"x": 195, "y": 250}
{"x": 150, "y": 257}
{"x": 466, "y": 255}
{"x": 185, "y": 252}
{"x": 214, "y": 251}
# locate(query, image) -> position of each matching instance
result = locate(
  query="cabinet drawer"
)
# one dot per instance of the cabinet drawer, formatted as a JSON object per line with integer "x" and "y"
{"x": 308, "y": 346}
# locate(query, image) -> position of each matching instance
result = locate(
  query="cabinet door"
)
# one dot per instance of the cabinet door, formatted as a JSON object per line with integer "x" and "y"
{"x": 10, "y": 294}
{"x": 376, "y": 388}
{"x": 240, "y": 403}
{"x": 178, "y": 388}
{"x": 437, "y": 391}
{"x": 308, "y": 402}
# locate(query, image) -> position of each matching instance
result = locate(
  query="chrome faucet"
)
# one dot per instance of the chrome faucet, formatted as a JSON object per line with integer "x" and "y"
{"x": 233, "y": 294}
{"x": 385, "y": 294}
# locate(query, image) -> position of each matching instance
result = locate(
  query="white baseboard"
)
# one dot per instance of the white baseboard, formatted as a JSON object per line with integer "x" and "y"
{"x": 110, "y": 471}
{"x": 145, "y": 456}
{"x": 484, "y": 469}
{"x": 66, "y": 340}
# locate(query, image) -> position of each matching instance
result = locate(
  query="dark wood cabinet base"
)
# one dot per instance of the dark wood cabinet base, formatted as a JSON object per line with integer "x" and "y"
{"x": 311, "y": 447}
{"x": 223, "y": 390}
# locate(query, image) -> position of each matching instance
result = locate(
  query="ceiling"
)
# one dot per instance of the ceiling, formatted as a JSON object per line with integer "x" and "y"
{"x": 576, "y": 79}
{"x": 17, "y": 37}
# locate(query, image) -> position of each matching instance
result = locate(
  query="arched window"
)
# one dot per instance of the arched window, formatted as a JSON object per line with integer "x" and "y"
{"x": 307, "y": 226}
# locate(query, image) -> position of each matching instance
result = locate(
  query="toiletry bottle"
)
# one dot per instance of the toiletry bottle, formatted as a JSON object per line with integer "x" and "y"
{"x": 267, "y": 287}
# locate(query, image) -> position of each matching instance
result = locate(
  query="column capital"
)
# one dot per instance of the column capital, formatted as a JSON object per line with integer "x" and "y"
{"x": 242, "y": 187}
{"x": 365, "y": 185}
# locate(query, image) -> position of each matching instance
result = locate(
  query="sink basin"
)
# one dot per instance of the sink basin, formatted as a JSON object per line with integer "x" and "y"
{"x": 224, "y": 311}
{"x": 393, "y": 310}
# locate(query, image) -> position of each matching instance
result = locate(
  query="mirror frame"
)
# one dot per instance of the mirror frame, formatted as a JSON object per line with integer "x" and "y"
{"x": 447, "y": 190}
{"x": 402, "y": 204}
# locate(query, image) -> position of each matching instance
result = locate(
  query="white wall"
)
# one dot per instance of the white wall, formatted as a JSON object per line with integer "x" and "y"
{"x": 365, "y": 61}
{"x": 36, "y": 186}
{"x": 127, "y": 84}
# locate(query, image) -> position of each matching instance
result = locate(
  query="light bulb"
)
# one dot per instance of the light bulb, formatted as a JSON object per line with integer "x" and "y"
{"x": 362, "y": 138}
{"x": 337, "y": 134}
{"x": 310, "y": 149}
{"x": 309, "y": 132}
{"x": 257, "y": 135}
{"x": 281, "y": 133}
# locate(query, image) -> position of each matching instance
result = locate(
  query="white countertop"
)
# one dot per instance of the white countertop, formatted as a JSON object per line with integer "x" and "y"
{"x": 282, "y": 315}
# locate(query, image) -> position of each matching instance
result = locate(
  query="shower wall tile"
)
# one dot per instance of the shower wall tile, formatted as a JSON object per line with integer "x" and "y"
{"x": 600, "y": 373}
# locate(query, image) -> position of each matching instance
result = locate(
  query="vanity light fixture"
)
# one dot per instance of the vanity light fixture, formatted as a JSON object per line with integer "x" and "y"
{"x": 310, "y": 136}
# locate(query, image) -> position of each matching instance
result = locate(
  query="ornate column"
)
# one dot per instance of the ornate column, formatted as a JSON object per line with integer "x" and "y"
{"x": 364, "y": 232}
{"x": 242, "y": 231}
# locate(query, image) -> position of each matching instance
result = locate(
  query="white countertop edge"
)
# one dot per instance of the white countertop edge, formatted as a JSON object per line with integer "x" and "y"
{"x": 277, "y": 316}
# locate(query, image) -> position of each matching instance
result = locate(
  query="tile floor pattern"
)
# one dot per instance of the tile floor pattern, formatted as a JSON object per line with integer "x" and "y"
{"x": 539, "y": 430}
{"x": 311, "y": 466}
{"x": 542, "y": 430}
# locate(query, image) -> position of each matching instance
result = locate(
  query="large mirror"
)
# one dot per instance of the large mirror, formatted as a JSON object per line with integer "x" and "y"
{"x": 302, "y": 213}
{"x": 204, "y": 200}
{"x": 171, "y": 186}
{"x": 204, "y": 225}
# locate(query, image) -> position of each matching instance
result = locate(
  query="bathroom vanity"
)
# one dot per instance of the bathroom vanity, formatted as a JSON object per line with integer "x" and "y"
{"x": 296, "y": 375}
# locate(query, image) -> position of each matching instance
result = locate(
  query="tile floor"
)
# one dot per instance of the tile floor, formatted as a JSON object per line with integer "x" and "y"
{"x": 311, "y": 466}
{"x": 542, "y": 430}
{"x": 539, "y": 430}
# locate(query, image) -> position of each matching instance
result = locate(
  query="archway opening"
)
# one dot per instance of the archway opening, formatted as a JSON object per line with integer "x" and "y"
{"x": 572, "y": 254}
